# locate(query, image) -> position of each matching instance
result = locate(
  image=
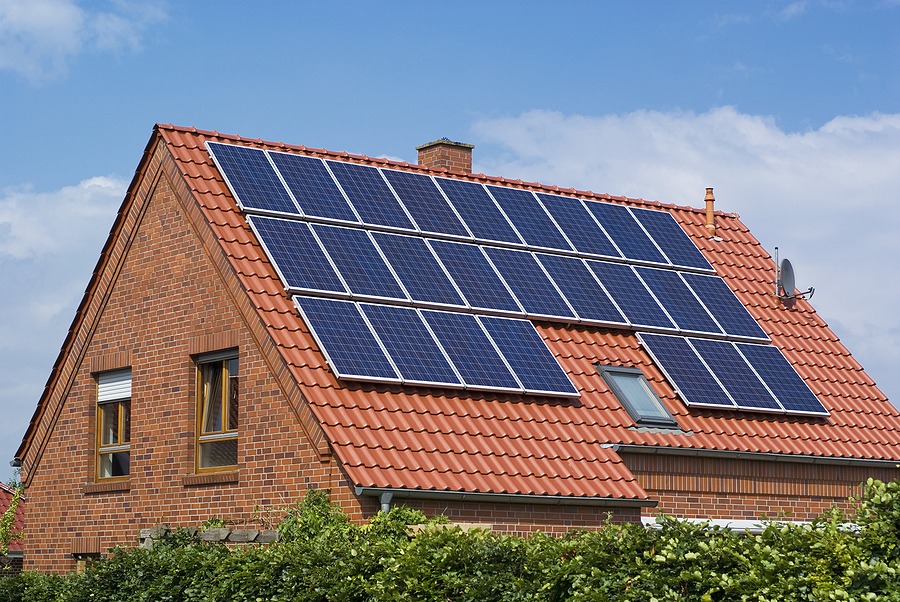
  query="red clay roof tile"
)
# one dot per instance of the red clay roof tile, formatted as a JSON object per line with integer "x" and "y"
{"x": 417, "y": 438}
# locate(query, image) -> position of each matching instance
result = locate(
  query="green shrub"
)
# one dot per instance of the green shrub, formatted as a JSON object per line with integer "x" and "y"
{"x": 324, "y": 557}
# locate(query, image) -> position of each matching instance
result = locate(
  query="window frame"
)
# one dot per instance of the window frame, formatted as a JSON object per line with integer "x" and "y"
{"x": 225, "y": 360}
{"x": 662, "y": 419}
{"x": 122, "y": 404}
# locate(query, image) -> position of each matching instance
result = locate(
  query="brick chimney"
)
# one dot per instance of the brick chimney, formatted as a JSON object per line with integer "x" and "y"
{"x": 444, "y": 153}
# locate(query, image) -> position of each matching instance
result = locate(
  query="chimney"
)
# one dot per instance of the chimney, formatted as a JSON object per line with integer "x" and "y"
{"x": 710, "y": 213}
{"x": 444, "y": 153}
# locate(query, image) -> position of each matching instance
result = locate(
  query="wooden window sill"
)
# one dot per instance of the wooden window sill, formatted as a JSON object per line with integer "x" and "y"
{"x": 106, "y": 487}
{"x": 211, "y": 478}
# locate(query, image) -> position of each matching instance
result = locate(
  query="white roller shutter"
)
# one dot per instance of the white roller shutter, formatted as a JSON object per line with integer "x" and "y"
{"x": 113, "y": 386}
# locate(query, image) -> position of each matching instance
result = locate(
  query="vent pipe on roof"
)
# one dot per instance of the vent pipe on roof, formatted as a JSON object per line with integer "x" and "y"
{"x": 446, "y": 154}
{"x": 710, "y": 213}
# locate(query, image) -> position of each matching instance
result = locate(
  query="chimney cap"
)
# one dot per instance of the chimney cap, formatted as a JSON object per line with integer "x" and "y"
{"x": 446, "y": 141}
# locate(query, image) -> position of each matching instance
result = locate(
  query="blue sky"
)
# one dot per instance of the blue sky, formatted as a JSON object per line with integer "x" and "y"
{"x": 791, "y": 110}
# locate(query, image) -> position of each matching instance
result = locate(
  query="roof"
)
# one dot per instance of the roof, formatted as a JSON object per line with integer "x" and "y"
{"x": 401, "y": 437}
{"x": 6, "y": 496}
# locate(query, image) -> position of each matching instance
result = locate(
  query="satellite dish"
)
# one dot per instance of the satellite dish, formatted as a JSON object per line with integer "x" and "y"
{"x": 786, "y": 282}
{"x": 785, "y": 285}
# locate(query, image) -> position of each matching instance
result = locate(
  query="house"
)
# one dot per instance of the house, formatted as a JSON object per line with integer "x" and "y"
{"x": 252, "y": 330}
{"x": 11, "y": 562}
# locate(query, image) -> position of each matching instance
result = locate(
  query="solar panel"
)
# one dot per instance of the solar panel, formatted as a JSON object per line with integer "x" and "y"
{"x": 792, "y": 391}
{"x": 630, "y": 294}
{"x": 724, "y": 306}
{"x": 410, "y": 345}
{"x": 679, "y": 301}
{"x": 251, "y": 178}
{"x": 471, "y": 351}
{"x": 478, "y": 210}
{"x": 474, "y": 276}
{"x": 686, "y": 371}
{"x": 344, "y": 337}
{"x": 735, "y": 375}
{"x": 671, "y": 238}
{"x": 529, "y": 357}
{"x": 581, "y": 289}
{"x": 418, "y": 269}
{"x": 297, "y": 256}
{"x": 625, "y": 231}
{"x": 425, "y": 203}
{"x": 529, "y": 218}
{"x": 359, "y": 263}
{"x": 313, "y": 187}
{"x": 578, "y": 225}
{"x": 370, "y": 195}
{"x": 535, "y": 291}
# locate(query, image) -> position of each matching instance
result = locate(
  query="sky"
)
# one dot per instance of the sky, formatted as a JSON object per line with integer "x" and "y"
{"x": 790, "y": 110}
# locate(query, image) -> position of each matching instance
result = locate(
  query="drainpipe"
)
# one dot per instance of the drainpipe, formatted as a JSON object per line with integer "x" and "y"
{"x": 386, "y": 498}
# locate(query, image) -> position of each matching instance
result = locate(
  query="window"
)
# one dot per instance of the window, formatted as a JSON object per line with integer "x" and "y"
{"x": 114, "y": 424}
{"x": 217, "y": 411}
{"x": 634, "y": 392}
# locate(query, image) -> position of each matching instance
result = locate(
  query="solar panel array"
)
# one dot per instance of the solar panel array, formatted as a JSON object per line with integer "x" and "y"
{"x": 436, "y": 279}
{"x": 731, "y": 375}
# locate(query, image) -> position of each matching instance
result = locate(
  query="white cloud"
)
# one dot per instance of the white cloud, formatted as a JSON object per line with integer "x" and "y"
{"x": 38, "y": 38}
{"x": 49, "y": 243}
{"x": 830, "y": 197}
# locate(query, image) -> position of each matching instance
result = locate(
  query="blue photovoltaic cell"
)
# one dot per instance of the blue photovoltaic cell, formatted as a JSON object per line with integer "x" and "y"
{"x": 358, "y": 261}
{"x": 735, "y": 375}
{"x": 625, "y": 231}
{"x": 370, "y": 195}
{"x": 251, "y": 178}
{"x": 581, "y": 289}
{"x": 579, "y": 226}
{"x": 630, "y": 294}
{"x": 425, "y": 203}
{"x": 724, "y": 306}
{"x": 478, "y": 210}
{"x": 679, "y": 301}
{"x": 529, "y": 218}
{"x": 685, "y": 371}
{"x": 409, "y": 343}
{"x": 529, "y": 357}
{"x": 529, "y": 283}
{"x": 471, "y": 351}
{"x": 671, "y": 238}
{"x": 312, "y": 187}
{"x": 474, "y": 276}
{"x": 294, "y": 251}
{"x": 345, "y": 338}
{"x": 781, "y": 377}
{"x": 417, "y": 268}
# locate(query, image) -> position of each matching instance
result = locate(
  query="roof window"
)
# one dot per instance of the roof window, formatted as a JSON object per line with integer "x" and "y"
{"x": 634, "y": 393}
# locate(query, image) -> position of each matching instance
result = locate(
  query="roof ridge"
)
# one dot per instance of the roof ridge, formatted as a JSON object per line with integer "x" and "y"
{"x": 484, "y": 178}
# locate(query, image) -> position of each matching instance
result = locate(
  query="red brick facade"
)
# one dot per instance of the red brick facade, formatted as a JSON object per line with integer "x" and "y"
{"x": 165, "y": 302}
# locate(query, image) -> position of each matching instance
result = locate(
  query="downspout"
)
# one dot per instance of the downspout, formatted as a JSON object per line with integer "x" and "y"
{"x": 386, "y": 497}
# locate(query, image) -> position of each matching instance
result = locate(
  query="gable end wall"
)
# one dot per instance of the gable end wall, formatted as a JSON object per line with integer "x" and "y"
{"x": 160, "y": 298}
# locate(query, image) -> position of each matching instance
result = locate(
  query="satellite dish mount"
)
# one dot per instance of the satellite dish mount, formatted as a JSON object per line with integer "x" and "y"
{"x": 785, "y": 285}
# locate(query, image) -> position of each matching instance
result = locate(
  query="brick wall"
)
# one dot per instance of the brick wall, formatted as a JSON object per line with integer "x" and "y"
{"x": 706, "y": 487}
{"x": 165, "y": 302}
{"x": 525, "y": 519}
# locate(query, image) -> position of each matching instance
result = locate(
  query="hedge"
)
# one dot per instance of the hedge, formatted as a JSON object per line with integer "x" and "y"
{"x": 322, "y": 556}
